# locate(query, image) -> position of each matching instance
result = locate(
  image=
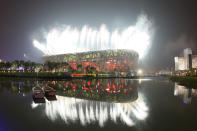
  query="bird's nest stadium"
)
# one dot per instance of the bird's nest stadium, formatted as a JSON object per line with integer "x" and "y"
{"x": 120, "y": 60}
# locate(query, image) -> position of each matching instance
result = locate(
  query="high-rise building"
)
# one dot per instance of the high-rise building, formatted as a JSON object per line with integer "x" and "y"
{"x": 186, "y": 61}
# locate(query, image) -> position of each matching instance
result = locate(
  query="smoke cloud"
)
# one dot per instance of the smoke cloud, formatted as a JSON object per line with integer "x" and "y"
{"x": 69, "y": 39}
{"x": 178, "y": 45}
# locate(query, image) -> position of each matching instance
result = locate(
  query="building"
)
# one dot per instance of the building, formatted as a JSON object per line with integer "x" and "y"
{"x": 186, "y": 93}
{"x": 186, "y": 60}
{"x": 102, "y": 61}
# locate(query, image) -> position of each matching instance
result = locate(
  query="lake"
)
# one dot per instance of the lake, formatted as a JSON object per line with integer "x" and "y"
{"x": 98, "y": 104}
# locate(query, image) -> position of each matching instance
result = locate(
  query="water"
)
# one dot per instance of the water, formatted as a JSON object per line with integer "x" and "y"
{"x": 103, "y": 104}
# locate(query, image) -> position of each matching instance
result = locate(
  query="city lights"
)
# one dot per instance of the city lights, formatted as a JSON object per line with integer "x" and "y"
{"x": 139, "y": 72}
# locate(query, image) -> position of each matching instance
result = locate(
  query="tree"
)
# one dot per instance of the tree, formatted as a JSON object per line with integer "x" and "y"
{"x": 27, "y": 65}
{"x": 48, "y": 65}
{"x": 15, "y": 64}
{"x": 38, "y": 66}
{"x": 7, "y": 65}
{"x": 87, "y": 69}
{"x": 2, "y": 65}
{"x": 21, "y": 63}
{"x": 32, "y": 65}
{"x": 93, "y": 70}
{"x": 193, "y": 72}
{"x": 70, "y": 69}
{"x": 79, "y": 68}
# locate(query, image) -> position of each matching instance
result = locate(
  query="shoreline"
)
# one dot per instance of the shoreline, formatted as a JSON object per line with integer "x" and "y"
{"x": 188, "y": 81}
{"x": 58, "y": 76}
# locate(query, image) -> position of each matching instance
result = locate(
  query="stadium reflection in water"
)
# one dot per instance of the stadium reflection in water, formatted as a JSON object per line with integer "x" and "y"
{"x": 185, "y": 93}
{"x": 88, "y": 109}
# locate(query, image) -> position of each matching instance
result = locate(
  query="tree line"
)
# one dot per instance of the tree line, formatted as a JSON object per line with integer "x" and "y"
{"x": 48, "y": 66}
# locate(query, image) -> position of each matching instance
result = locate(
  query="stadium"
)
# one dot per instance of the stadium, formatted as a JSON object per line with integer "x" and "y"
{"x": 106, "y": 61}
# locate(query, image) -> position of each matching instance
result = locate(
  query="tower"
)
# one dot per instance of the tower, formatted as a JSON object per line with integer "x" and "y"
{"x": 187, "y": 54}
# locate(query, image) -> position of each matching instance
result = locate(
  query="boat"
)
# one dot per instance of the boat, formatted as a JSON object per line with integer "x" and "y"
{"x": 49, "y": 91}
{"x": 38, "y": 93}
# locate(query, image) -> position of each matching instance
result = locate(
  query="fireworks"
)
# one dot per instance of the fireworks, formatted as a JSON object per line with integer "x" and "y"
{"x": 73, "y": 40}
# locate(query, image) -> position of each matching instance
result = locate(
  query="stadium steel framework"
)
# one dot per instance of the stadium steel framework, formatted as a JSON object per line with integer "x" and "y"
{"x": 103, "y": 61}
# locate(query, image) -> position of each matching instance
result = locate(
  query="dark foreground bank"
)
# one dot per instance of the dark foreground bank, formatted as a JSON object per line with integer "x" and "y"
{"x": 189, "y": 81}
{"x": 56, "y": 75}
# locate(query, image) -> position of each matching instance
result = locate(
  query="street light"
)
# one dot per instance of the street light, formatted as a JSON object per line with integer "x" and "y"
{"x": 139, "y": 72}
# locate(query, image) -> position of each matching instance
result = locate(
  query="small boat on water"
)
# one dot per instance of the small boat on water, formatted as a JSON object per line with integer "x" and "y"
{"x": 49, "y": 91}
{"x": 38, "y": 93}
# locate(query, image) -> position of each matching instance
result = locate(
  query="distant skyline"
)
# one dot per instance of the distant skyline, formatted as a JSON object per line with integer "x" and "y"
{"x": 174, "y": 21}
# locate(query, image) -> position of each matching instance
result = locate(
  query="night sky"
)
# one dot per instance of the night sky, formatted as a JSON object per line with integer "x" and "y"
{"x": 175, "y": 24}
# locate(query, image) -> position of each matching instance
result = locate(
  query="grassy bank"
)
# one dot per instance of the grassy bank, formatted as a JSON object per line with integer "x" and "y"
{"x": 41, "y": 75}
{"x": 189, "y": 81}
{"x": 55, "y": 75}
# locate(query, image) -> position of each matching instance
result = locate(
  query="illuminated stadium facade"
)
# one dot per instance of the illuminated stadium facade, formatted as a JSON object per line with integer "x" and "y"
{"x": 103, "y": 61}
